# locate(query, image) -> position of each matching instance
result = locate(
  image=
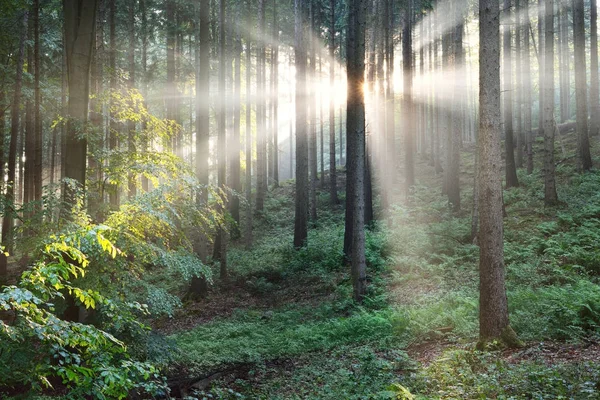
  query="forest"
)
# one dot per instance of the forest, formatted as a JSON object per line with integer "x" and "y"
{"x": 299, "y": 199}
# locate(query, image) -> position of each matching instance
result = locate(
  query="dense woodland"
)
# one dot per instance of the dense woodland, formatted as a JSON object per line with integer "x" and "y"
{"x": 299, "y": 199}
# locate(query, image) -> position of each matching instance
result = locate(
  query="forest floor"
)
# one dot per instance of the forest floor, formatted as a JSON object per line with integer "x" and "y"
{"x": 284, "y": 325}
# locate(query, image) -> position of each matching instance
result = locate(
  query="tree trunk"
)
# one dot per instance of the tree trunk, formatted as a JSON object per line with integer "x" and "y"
{"x": 511, "y": 170}
{"x": 584, "y": 159}
{"x": 38, "y": 147}
{"x": 113, "y": 195}
{"x": 564, "y": 58}
{"x": 332, "y": 166}
{"x": 550, "y": 196}
{"x": 409, "y": 130}
{"x": 355, "y": 125}
{"x": 518, "y": 86}
{"x": 80, "y": 23}
{"x": 493, "y": 304}
{"x": 248, "y": 180}
{"x": 8, "y": 217}
{"x": 594, "y": 86}
{"x": 221, "y": 241}
{"x": 261, "y": 148}
{"x": 199, "y": 285}
{"x": 527, "y": 114}
{"x": 235, "y": 165}
{"x": 131, "y": 148}
{"x": 301, "y": 206}
{"x": 312, "y": 116}
{"x": 275, "y": 115}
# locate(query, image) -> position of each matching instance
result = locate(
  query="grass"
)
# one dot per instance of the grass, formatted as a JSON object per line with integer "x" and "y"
{"x": 423, "y": 289}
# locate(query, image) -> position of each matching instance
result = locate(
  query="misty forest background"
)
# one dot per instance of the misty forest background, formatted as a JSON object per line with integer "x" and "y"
{"x": 299, "y": 199}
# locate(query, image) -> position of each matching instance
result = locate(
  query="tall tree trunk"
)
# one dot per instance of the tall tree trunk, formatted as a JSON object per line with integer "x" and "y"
{"x": 355, "y": 126}
{"x": 131, "y": 148}
{"x": 409, "y": 130}
{"x": 112, "y": 65}
{"x": 221, "y": 241}
{"x": 199, "y": 285}
{"x": 301, "y": 202}
{"x": 518, "y": 85}
{"x": 584, "y": 159}
{"x": 541, "y": 69}
{"x": 550, "y": 196}
{"x": 8, "y": 218}
{"x": 235, "y": 166}
{"x": 275, "y": 115}
{"x": 144, "y": 34}
{"x": 511, "y": 169}
{"x": 457, "y": 114}
{"x": 564, "y": 58}
{"x": 493, "y": 305}
{"x": 37, "y": 170}
{"x": 312, "y": 116}
{"x": 80, "y": 26}
{"x": 261, "y": 144}
{"x": 332, "y": 166}
{"x": 594, "y": 84}
{"x": 527, "y": 114}
{"x": 29, "y": 139}
{"x": 248, "y": 180}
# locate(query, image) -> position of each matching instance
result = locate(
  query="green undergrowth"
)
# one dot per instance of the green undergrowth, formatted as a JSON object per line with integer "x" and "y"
{"x": 467, "y": 374}
{"x": 423, "y": 288}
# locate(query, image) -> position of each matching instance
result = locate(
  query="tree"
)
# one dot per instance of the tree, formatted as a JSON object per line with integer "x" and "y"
{"x": 526, "y": 90}
{"x": 493, "y": 305}
{"x": 8, "y": 220}
{"x": 198, "y": 285}
{"x": 355, "y": 132}
{"x": 550, "y": 196}
{"x": 584, "y": 159}
{"x": 409, "y": 129}
{"x": 79, "y": 28}
{"x": 261, "y": 140}
{"x": 301, "y": 202}
{"x": 511, "y": 169}
{"x": 332, "y": 168}
{"x": 595, "y": 85}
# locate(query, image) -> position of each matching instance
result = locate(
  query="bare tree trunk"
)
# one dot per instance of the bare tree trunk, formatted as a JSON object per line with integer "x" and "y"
{"x": 550, "y": 196}
{"x": 8, "y": 217}
{"x": 131, "y": 148}
{"x": 38, "y": 146}
{"x": 261, "y": 148}
{"x": 235, "y": 165}
{"x": 301, "y": 206}
{"x": 511, "y": 170}
{"x": 518, "y": 85}
{"x": 332, "y": 165}
{"x": 112, "y": 65}
{"x": 312, "y": 140}
{"x": 248, "y": 231}
{"x": 493, "y": 305}
{"x": 356, "y": 139}
{"x": 594, "y": 86}
{"x": 527, "y": 114}
{"x": 584, "y": 159}
{"x": 409, "y": 130}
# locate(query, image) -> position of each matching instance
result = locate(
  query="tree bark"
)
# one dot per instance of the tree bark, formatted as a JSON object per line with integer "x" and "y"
{"x": 527, "y": 114}
{"x": 332, "y": 165}
{"x": 594, "y": 84}
{"x": 493, "y": 305}
{"x": 510, "y": 168}
{"x": 355, "y": 126}
{"x": 261, "y": 145}
{"x": 584, "y": 159}
{"x": 550, "y": 195}
{"x": 80, "y": 24}
{"x": 8, "y": 217}
{"x": 301, "y": 202}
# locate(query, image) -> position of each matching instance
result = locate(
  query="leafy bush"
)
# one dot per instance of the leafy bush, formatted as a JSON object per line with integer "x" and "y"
{"x": 38, "y": 346}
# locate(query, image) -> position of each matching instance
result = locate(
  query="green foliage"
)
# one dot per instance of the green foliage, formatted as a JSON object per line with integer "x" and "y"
{"x": 347, "y": 372}
{"x": 461, "y": 374}
{"x": 560, "y": 312}
{"x": 37, "y": 345}
{"x": 255, "y": 336}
